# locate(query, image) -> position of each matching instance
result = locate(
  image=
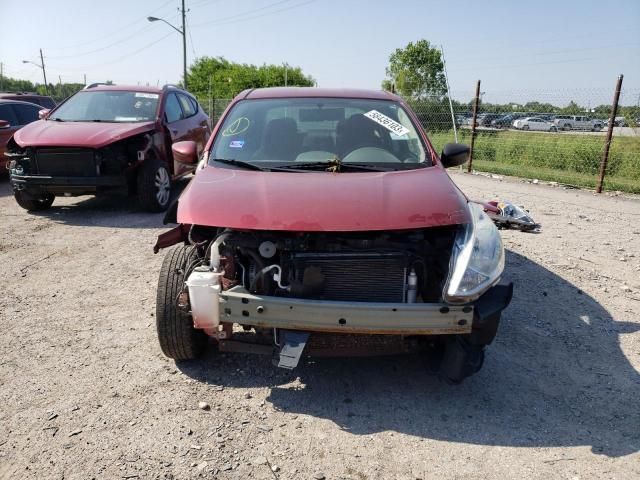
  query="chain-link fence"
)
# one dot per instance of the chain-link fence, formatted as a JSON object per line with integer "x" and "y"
{"x": 556, "y": 136}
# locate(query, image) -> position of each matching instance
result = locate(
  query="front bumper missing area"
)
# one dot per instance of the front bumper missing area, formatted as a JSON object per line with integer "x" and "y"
{"x": 239, "y": 306}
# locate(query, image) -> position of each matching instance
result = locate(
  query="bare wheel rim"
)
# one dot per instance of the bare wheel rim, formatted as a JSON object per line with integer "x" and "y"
{"x": 163, "y": 185}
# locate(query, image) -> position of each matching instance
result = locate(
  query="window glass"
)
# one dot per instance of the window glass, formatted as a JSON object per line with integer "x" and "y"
{"x": 320, "y": 129}
{"x": 172, "y": 109}
{"x": 108, "y": 106}
{"x": 26, "y": 113}
{"x": 196, "y": 107}
{"x": 7, "y": 113}
{"x": 187, "y": 106}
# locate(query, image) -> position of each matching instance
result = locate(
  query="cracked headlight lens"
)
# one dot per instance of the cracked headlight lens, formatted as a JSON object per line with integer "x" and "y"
{"x": 477, "y": 259}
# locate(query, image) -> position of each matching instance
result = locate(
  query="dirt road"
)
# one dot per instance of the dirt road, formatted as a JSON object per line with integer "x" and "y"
{"x": 86, "y": 393}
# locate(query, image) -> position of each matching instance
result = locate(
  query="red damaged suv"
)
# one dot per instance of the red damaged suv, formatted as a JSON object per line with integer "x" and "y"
{"x": 322, "y": 222}
{"x": 106, "y": 139}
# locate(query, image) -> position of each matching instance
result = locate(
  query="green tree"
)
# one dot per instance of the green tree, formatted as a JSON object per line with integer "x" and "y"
{"x": 417, "y": 71}
{"x": 216, "y": 77}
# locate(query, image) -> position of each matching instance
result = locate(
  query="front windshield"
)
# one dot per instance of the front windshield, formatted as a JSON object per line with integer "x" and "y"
{"x": 108, "y": 106}
{"x": 296, "y": 131}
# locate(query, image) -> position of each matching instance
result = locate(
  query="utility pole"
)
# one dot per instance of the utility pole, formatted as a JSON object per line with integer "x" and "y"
{"x": 285, "y": 73}
{"x": 184, "y": 48}
{"x": 182, "y": 32}
{"x": 44, "y": 73}
{"x": 446, "y": 77}
{"x": 85, "y": 79}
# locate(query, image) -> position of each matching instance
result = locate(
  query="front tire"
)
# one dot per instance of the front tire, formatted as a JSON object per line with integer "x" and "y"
{"x": 177, "y": 336}
{"x": 34, "y": 203}
{"x": 154, "y": 186}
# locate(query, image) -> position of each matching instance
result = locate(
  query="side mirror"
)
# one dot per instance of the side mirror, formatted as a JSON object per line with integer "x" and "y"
{"x": 454, "y": 154}
{"x": 44, "y": 113}
{"x": 185, "y": 152}
{"x": 4, "y": 124}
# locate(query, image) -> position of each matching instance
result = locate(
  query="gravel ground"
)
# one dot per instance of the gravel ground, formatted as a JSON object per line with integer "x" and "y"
{"x": 86, "y": 393}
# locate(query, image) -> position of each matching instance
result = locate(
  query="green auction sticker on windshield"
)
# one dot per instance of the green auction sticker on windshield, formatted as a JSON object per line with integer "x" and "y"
{"x": 388, "y": 123}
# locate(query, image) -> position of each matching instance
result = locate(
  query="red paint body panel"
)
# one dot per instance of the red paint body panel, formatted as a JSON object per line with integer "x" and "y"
{"x": 322, "y": 201}
{"x": 48, "y": 133}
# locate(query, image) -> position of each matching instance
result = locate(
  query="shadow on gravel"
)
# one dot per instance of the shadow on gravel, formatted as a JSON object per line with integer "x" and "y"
{"x": 555, "y": 376}
{"x": 5, "y": 186}
{"x": 118, "y": 211}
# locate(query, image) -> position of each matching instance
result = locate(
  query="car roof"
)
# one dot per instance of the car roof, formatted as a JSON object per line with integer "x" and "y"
{"x": 314, "y": 92}
{"x": 126, "y": 88}
{"x": 18, "y": 102}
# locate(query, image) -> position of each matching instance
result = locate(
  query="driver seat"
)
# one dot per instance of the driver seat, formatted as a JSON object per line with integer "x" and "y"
{"x": 355, "y": 132}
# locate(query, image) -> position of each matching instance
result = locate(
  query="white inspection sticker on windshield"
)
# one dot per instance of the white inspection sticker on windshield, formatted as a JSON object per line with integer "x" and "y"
{"x": 146, "y": 95}
{"x": 386, "y": 122}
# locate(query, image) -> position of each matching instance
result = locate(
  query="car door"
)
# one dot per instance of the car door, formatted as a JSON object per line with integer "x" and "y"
{"x": 198, "y": 129}
{"x": 178, "y": 128}
{"x": 7, "y": 114}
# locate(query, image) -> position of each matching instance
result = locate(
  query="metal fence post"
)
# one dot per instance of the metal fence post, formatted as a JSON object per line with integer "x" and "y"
{"x": 473, "y": 125}
{"x": 607, "y": 142}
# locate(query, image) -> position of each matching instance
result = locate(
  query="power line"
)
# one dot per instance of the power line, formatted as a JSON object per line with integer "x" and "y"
{"x": 57, "y": 57}
{"x": 135, "y": 22}
{"x": 231, "y": 17}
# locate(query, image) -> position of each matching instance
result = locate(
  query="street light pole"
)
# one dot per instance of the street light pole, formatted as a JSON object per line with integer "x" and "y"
{"x": 44, "y": 72}
{"x": 184, "y": 48}
{"x": 182, "y": 32}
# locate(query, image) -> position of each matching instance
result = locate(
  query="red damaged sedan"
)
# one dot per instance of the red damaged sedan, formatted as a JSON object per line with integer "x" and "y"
{"x": 322, "y": 222}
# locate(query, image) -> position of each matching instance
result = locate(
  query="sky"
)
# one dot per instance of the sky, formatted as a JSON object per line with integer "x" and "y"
{"x": 548, "y": 50}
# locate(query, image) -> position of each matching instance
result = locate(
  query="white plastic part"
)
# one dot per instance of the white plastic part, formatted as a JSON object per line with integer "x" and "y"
{"x": 215, "y": 251}
{"x": 412, "y": 286}
{"x": 204, "y": 294}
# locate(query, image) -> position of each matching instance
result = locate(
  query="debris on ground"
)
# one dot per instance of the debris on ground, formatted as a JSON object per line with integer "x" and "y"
{"x": 509, "y": 215}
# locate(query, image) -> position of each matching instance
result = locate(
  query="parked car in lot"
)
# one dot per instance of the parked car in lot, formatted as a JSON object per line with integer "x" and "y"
{"x": 504, "y": 121}
{"x": 486, "y": 119}
{"x": 577, "y": 122}
{"x": 534, "y": 123}
{"x": 618, "y": 122}
{"x": 323, "y": 222}
{"x": 107, "y": 139}
{"x": 42, "y": 100}
{"x": 13, "y": 116}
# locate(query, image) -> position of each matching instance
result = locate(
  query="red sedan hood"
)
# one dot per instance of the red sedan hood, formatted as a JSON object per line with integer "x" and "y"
{"x": 49, "y": 133}
{"x": 319, "y": 201}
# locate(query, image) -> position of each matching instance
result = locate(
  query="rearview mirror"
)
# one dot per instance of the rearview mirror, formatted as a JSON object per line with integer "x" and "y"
{"x": 4, "y": 124}
{"x": 454, "y": 154}
{"x": 44, "y": 113}
{"x": 185, "y": 152}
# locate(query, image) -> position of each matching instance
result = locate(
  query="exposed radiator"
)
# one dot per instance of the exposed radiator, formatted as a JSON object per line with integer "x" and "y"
{"x": 358, "y": 277}
{"x": 67, "y": 162}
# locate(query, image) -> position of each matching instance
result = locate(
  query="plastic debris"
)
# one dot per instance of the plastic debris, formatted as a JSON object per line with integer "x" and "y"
{"x": 508, "y": 215}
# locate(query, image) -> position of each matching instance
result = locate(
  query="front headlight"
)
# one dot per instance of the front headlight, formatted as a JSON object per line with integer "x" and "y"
{"x": 477, "y": 259}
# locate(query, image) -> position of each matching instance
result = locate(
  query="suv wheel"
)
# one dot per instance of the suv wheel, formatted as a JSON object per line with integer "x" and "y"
{"x": 34, "y": 203}
{"x": 177, "y": 336}
{"x": 154, "y": 186}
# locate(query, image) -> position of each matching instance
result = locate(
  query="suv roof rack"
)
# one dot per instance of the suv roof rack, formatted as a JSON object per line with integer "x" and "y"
{"x": 93, "y": 85}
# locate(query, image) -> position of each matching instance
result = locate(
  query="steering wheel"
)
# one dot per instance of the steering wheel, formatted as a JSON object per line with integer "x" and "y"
{"x": 365, "y": 155}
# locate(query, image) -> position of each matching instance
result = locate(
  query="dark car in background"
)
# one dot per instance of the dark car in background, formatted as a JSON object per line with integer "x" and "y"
{"x": 504, "y": 121}
{"x": 485, "y": 120}
{"x": 42, "y": 100}
{"x": 13, "y": 116}
{"x": 107, "y": 139}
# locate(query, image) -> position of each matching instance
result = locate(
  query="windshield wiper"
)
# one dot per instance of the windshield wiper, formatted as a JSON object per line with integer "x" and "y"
{"x": 239, "y": 163}
{"x": 56, "y": 119}
{"x": 328, "y": 165}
